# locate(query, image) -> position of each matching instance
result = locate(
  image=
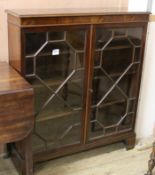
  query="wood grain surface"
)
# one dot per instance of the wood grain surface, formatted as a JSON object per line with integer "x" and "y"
{"x": 16, "y": 105}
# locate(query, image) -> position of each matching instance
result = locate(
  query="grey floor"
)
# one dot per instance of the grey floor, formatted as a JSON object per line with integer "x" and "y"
{"x": 108, "y": 160}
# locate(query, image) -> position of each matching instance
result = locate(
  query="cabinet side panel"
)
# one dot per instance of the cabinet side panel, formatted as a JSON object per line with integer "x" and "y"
{"x": 14, "y": 38}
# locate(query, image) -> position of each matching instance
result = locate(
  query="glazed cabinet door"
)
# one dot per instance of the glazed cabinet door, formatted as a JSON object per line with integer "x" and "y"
{"x": 55, "y": 66}
{"x": 115, "y": 84}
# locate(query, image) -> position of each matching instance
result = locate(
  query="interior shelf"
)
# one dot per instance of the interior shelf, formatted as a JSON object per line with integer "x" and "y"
{"x": 57, "y": 80}
{"x": 63, "y": 113}
{"x": 114, "y": 48}
{"x": 53, "y": 81}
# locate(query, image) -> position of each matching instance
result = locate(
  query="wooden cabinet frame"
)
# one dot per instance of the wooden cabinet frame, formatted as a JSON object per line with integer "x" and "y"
{"x": 20, "y": 22}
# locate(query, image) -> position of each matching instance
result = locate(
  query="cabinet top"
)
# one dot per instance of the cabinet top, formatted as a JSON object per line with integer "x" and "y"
{"x": 25, "y": 13}
{"x": 11, "y": 81}
{"x": 56, "y": 17}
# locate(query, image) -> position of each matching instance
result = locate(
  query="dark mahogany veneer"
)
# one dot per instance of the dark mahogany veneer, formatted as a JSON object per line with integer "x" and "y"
{"x": 107, "y": 47}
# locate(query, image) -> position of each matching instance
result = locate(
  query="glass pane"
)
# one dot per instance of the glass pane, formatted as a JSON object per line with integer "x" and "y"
{"x": 115, "y": 80}
{"x": 33, "y": 42}
{"x": 56, "y": 36}
{"x": 29, "y": 66}
{"x": 56, "y": 72}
